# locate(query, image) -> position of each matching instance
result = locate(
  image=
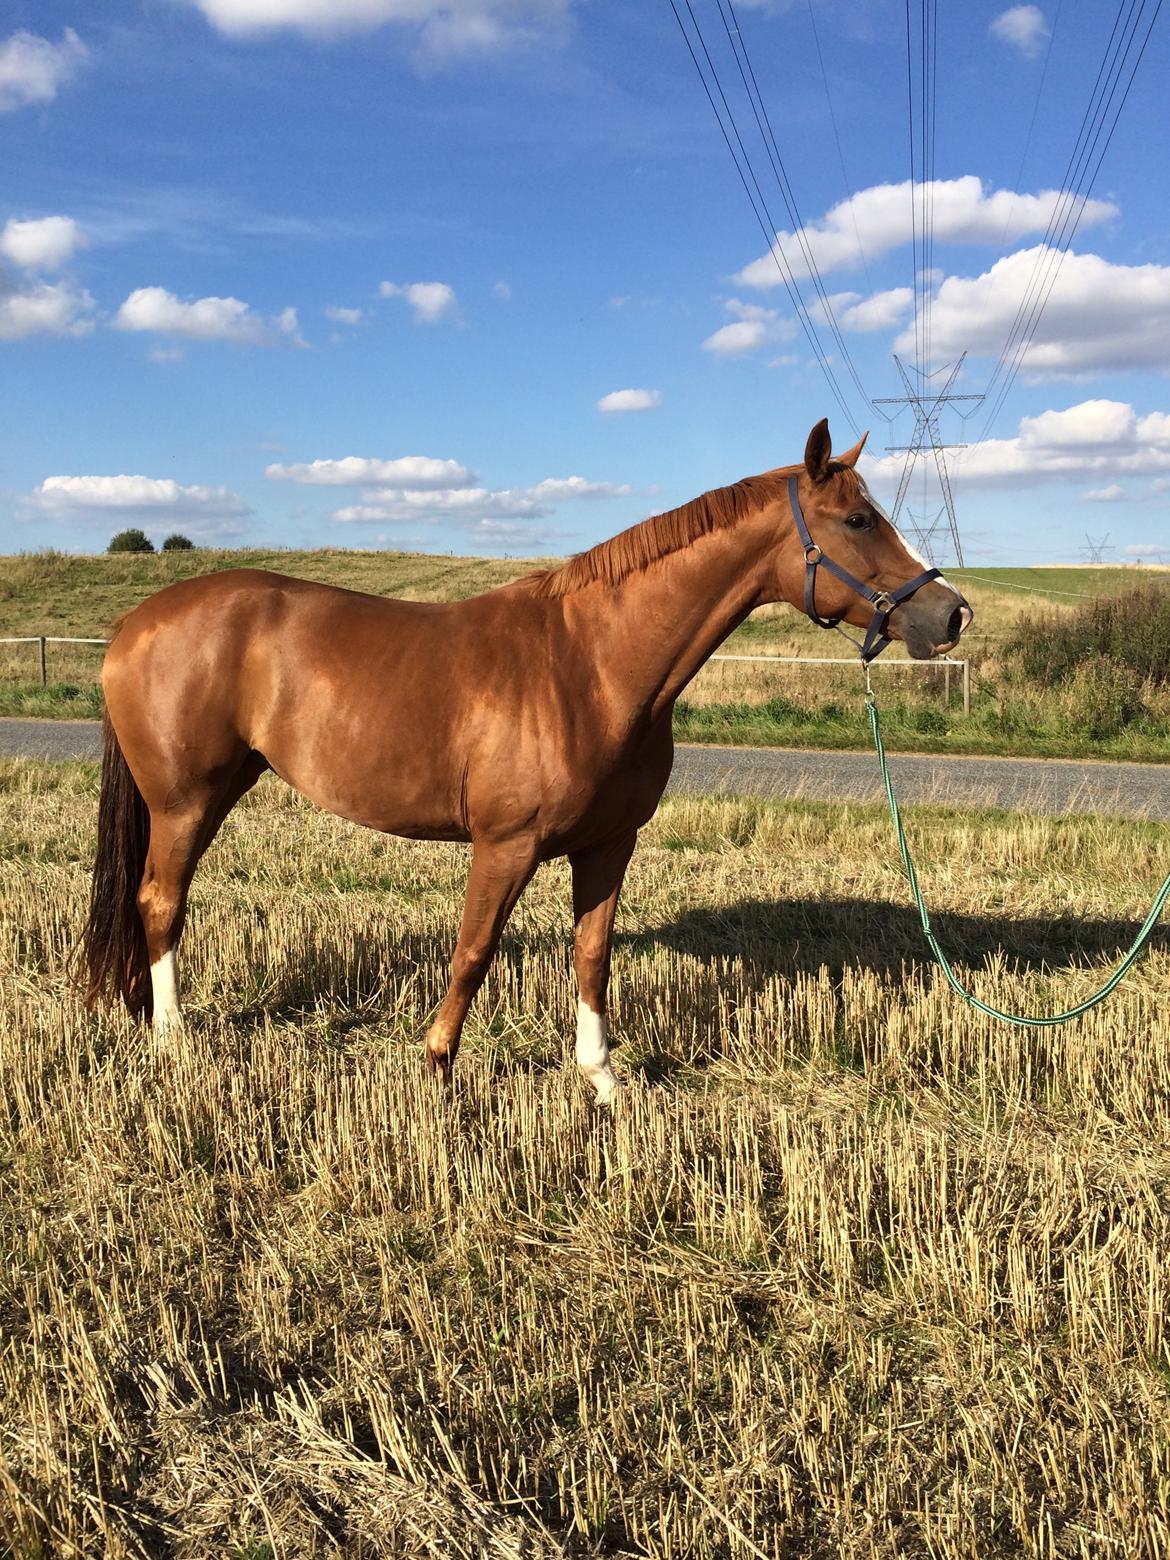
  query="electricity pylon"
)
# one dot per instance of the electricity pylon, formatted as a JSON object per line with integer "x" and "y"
{"x": 927, "y": 407}
{"x": 1095, "y": 549}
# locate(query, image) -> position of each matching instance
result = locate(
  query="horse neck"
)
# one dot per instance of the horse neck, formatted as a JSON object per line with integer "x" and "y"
{"x": 655, "y": 630}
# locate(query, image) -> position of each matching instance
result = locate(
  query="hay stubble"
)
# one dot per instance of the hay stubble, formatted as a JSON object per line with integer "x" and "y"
{"x": 850, "y": 1270}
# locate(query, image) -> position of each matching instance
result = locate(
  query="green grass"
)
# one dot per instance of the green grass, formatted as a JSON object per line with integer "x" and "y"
{"x": 1020, "y": 731}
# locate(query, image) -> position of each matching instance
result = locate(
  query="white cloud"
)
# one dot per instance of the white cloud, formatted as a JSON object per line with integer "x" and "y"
{"x": 443, "y": 26}
{"x": 430, "y": 301}
{"x": 289, "y": 325}
{"x": 49, "y": 308}
{"x": 413, "y": 488}
{"x": 32, "y": 69}
{"x": 159, "y": 499}
{"x": 736, "y": 339}
{"x": 407, "y": 471}
{"x": 1099, "y": 316}
{"x": 342, "y": 316}
{"x": 555, "y": 490}
{"x": 880, "y": 311}
{"x": 501, "y": 290}
{"x": 630, "y": 401}
{"x": 1093, "y": 439}
{"x": 754, "y": 326}
{"x": 1113, "y": 494}
{"x": 41, "y": 244}
{"x": 509, "y": 535}
{"x": 964, "y": 213}
{"x": 202, "y": 319}
{"x": 475, "y": 504}
{"x": 1023, "y": 27}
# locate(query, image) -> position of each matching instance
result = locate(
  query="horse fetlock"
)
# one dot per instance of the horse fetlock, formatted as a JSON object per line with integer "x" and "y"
{"x": 440, "y": 1051}
{"x": 593, "y": 1052}
{"x": 164, "y": 983}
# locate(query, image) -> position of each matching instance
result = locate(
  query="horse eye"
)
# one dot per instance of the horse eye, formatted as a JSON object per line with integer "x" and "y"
{"x": 859, "y": 523}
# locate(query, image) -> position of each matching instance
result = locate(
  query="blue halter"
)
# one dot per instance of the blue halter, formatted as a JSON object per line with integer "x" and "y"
{"x": 884, "y": 601}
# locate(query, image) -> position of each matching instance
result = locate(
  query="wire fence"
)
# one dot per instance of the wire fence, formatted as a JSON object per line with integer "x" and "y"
{"x": 42, "y": 641}
{"x": 947, "y": 665}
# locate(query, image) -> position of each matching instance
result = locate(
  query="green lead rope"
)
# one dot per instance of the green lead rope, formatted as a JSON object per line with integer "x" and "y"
{"x": 924, "y": 915}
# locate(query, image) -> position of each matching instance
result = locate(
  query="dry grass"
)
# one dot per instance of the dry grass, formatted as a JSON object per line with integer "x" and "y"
{"x": 850, "y": 1271}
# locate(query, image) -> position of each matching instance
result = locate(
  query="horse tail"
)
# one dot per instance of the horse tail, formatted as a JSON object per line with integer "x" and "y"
{"x": 113, "y": 946}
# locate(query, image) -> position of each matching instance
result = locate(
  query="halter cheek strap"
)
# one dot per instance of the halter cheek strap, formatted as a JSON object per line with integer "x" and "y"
{"x": 884, "y": 601}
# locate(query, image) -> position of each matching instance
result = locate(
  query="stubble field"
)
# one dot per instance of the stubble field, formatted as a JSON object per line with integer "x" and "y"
{"x": 849, "y": 1271}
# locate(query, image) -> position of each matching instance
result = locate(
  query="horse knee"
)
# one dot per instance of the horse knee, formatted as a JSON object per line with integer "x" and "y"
{"x": 469, "y": 963}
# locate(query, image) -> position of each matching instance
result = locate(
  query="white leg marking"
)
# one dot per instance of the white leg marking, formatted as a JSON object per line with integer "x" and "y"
{"x": 593, "y": 1052}
{"x": 164, "y": 982}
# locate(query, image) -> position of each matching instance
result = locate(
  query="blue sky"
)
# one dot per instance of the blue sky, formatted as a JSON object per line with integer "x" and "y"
{"x": 375, "y": 273}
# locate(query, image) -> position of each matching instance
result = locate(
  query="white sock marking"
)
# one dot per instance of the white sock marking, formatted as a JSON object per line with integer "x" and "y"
{"x": 164, "y": 982}
{"x": 593, "y": 1052}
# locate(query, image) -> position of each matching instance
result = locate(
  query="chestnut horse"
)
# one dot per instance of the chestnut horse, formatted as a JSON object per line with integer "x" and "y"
{"x": 533, "y": 721}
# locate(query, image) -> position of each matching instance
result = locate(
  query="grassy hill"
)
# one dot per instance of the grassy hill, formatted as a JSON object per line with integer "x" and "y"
{"x": 51, "y": 593}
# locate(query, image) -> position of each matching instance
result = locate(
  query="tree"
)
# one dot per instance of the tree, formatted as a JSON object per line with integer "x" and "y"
{"x": 177, "y": 542}
{"x": 132, "y": 540}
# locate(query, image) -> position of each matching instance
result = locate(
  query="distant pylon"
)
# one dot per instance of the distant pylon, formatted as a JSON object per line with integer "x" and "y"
{"x": 924, "y": 529}
{"x": 926, "y": 408}
{"x": 1095, "y": 548}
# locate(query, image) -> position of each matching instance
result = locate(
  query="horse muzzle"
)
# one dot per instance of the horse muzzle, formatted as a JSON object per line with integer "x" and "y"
{"x": 932, "y": 621}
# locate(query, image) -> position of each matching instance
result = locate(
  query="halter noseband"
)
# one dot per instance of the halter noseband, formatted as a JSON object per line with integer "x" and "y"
{"x": 884, "y": 601}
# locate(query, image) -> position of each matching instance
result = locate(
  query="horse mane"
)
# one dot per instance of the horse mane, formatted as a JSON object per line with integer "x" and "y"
{"x": 643, "y": 544}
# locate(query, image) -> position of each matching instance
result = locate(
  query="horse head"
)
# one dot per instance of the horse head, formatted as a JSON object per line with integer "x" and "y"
{"x": 844, "y": 561}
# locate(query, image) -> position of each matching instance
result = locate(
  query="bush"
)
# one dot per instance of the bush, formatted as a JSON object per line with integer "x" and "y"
{"x": 133, "y": 540}
{"x": 1103, "y": 698}
{"x": 177, "y": 542}
{"x": 1131, "y": 629}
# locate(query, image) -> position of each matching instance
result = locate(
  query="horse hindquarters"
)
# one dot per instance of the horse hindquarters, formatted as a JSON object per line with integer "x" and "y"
{"x": 159, "y": 812}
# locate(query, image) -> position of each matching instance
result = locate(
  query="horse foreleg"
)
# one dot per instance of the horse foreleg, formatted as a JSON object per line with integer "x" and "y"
{"x": 597, "y": 882}
{"x": 500, "y": 871}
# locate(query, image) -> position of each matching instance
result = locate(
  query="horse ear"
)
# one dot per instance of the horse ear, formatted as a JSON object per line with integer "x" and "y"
{"x": 818, "y": 450}
{"x": 850, "y": 456}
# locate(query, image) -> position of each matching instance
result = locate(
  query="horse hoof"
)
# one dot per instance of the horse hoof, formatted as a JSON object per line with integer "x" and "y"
{"x": 609, "y": 1090}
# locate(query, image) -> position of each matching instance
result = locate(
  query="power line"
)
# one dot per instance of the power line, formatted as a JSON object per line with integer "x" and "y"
{"x": 758, "y": 202}
{"x": 1084, "y": 166}
{"x": 913, "y": 207}
{"x": 764, "y": 124}
{"x": 840, "y": 152}
{"x": 1031, "y": 124}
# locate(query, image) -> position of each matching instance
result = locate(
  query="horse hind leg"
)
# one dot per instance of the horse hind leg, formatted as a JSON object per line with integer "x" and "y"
{"x": 178, "y": 838}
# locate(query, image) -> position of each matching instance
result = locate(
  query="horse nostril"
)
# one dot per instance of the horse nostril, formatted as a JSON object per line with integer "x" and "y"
{"x": 955, "y": 625}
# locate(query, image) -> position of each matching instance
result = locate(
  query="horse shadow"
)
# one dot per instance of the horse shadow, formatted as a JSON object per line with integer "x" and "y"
{"x": 340, "y": 986}
{"x": 804, "y": 936}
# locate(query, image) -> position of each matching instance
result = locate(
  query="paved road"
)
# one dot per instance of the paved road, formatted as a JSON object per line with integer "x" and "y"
{"x": 1036, "y": 785}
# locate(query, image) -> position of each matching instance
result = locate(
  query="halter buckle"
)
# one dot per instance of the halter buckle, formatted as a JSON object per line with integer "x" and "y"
{"x": 884, "y": 602}
{"x": 812, "y": 553}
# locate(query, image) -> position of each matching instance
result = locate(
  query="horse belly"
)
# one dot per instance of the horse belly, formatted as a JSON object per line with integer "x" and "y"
{"x": 386, "y": 773}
